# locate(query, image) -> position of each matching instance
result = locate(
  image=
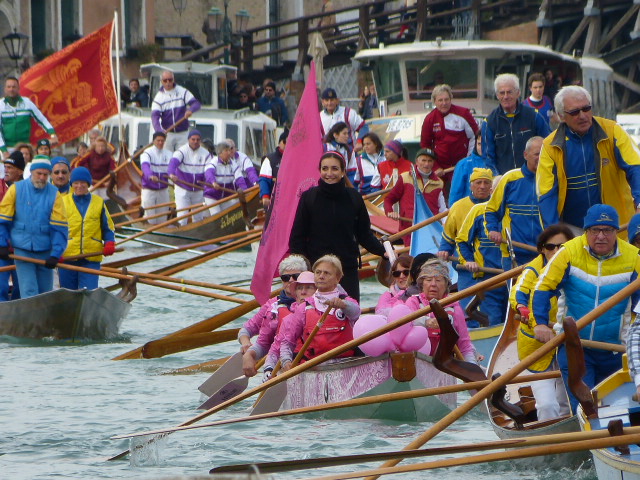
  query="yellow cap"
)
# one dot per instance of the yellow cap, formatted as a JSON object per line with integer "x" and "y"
{"x": 479, "y": 173}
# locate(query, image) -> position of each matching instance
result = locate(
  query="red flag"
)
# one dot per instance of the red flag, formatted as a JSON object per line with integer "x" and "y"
{"x": 298, "y": 172}
{"x": 74, "y": 87}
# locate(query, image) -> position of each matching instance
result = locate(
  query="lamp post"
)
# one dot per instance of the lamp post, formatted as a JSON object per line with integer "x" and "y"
{"x": 221, "y": 27}
{"x": 16, "y": 44}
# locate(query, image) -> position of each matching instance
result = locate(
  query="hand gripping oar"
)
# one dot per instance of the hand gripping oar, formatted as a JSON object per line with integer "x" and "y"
{"x": 349, "y": 346}
{"x": 230, "y": 390}
{"x": 274, "y": 396}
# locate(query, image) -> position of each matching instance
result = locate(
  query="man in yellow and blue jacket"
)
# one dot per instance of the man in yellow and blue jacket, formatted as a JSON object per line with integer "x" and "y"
{"x": 480, "y": 187}
{"x": 33, "y": 218}
{"x": 588, "y": 160}
{"x": 476, "y": 250}
{"x": 514, "y": 205}
{"x": 589, "y": 269}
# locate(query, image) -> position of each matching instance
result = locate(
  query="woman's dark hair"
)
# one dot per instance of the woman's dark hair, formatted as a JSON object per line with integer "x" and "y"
{"x": 337, "y": 156}
{"x": 417, "y": 263}
{"x": 337, "y": 128}
{"x": 375, "y": 139}
{"x": 551, "y": 231}
{"x": 404, "y": 260}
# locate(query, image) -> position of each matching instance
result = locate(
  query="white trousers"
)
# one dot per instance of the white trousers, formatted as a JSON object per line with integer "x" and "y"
{"x": 551, "y": 398}
{"x": 218, "y": 208}
{"x": 151, "y": 198}
{"x": 186, "y": 198}
{"x": 176, "y": 140}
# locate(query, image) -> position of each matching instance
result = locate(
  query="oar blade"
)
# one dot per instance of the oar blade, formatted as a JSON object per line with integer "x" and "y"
{"x": 271, "y": 400}
{"x": 230, "y": 390}
{"x": 231, "y": 369}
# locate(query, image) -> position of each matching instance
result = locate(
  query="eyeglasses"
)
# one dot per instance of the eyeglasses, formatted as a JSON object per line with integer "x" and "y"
{"x": 285, "y": 277}
{"x": 552, "y": 246}
{"x": 576, "y": 112}
{"x": 165, "y": 80}
{"x": 606, "y": 231}
{"x": 398, "y": 273}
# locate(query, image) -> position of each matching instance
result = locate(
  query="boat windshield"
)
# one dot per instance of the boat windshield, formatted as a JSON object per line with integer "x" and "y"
{"x": 388, "y": 81}
{"x": 460, "y": 74}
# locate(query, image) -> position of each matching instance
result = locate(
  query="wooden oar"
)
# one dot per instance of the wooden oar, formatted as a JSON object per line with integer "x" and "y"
{"x": 99, "y": 183}
{"x": 183, "y": 281}
{"x": 209, "y": 366}
{"x": 152, "y": 256}
{"x": 582, "y": 442}
{"x": 515, "y": 370}
{"x": 348, "y": 346}
{"x": 480, "y": 269}
{"x": 424, "y": 223}
{"x": 218, "y": 187}
{"x": 371, "y": 195}
{"x": 137, "y": 209}
{"x": 354, "y": 402}
{"x": 307, "y": 463}
{"x": 230, "y": 390}
{"x": 160, "y": 348}
{"x": 609, "y": 347}
{"x": 86, "y": 255}
{"x": 273, "y": 397}
{"x": 206, "y": 325}
{"x": 227, "y": 372}
{"x": 182, "y": 182}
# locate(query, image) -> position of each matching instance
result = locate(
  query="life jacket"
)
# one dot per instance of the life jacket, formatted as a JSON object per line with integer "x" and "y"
{"x": 335, "y": 331}
{"x": 85, "y": 233}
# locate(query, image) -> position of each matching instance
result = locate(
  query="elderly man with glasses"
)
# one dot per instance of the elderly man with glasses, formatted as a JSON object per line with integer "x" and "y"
{"x": 586, "y": 161}
{"x": 171, "y": 104}
{"x": 510, "y": 126}
{"x": 589, "y": 270}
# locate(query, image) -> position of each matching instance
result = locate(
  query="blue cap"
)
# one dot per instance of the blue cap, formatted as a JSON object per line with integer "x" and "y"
{"x": 328, "y": 93}
{"x": 194, "y": 132}
{"x": 80, "y": 174}
{"x": 56, "y": 160}
{"x": 601, "y": 215}
{"x": 634, "y": 227}
{"x": 41, "y": 161}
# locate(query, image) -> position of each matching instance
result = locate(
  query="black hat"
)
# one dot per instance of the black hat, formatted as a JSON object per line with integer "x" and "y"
{"x": 329, "y": 93}
{"x": 428, "y": 152}
{"x": 44, "y": 143}
{"x": 283, "y": 136}
{"x": 16, "y": 159}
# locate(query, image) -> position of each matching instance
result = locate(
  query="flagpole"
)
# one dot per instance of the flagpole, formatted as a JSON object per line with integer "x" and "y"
{"x": 116, "y": 31}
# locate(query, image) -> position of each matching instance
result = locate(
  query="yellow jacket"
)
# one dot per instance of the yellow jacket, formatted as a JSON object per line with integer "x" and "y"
{"x": 457, "y": 213}
{"x": 617, "y": 170}
{"x": 521, "y": 294}
{"x": 85, "y": 233}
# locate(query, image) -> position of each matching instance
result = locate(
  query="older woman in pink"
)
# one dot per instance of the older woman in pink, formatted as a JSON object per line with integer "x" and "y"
{"x": 399, "y": 277}
{"x": 337, "y": 328}
{"x": 435, "y": 283}
{"x": 290, "y": 268}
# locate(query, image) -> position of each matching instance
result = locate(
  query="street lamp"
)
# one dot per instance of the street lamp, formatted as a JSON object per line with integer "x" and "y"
{"x": 221, "y": 28}
{"x": 16, "y": 44}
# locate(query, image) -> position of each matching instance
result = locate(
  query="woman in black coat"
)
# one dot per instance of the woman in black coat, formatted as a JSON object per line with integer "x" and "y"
{"x": 332, "y": 218}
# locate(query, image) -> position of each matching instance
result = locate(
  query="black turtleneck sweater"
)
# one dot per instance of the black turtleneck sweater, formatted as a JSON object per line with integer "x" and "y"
{"x": 332, "y": 218}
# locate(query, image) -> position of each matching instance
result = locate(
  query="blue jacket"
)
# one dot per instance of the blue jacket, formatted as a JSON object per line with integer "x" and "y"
{"x": 460, "y": 183}
{"x": 506, "y": 136}
{"x": 276, "y": 106}
{"x": 34, "y": 219}
{"x": 514, "y": 205}
{"x": 587, "y": 282}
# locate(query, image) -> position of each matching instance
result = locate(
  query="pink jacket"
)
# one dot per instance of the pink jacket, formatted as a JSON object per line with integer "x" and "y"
{"x": 456, "y": 315}
{"x": 269, "y": 328}
{"x": 252, "y": 326}
{"x": 293, "y": 326}
{"x": 274, "y": 350}
{"x": 389, "y": 299}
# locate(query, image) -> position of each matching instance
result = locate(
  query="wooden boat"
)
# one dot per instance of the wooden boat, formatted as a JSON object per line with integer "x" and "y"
{"x": 505, "y": 356}
{"x": 124, "y": 195}
{"x": 67, "y": 314}
{"x": 354, "y": 377}
{"x": 615, "y": 403}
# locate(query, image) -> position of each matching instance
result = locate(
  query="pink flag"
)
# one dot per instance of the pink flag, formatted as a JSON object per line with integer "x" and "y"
{"x": 298, "y": 172}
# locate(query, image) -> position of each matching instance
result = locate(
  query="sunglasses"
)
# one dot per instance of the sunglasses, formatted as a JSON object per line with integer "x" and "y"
{"x": 397, "y": 273}
{"x": 576, "y": 112}
{"x": 165, "y": 80}
{"x": 552, "y": 246}
{"x": 288, "y": 276}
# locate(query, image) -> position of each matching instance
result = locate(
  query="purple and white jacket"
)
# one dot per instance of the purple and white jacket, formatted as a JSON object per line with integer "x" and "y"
{"x": 154, "y": 161}
{"x": 170, "y": 106}
{"x": 227, "y": 175}
{"x": 188, "y": 165}
{"x": 247, "y": 168}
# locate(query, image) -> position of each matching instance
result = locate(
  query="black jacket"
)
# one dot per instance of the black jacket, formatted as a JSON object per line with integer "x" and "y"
{"x": 332, "y": 218}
